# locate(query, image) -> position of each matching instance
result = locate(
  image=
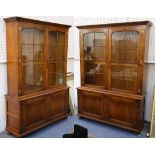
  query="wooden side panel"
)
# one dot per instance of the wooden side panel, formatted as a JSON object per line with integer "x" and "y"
{"x": 57, "y": 103}
{"x": 13, "y": 119}
{"x": 123, "y": 111}
{"x": 33, "y": 113}
{"x": 12, "y": 57}
{"x": 92, "y": 104}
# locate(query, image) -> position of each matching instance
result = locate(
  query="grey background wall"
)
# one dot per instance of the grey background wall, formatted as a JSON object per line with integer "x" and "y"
{"x": 73, "y": 64}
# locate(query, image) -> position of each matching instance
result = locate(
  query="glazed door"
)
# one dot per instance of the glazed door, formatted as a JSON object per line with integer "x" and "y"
{"x": 94, "y": 52}
{"x": 125, "y": 61}
{"x": 31, "y": 60}
{"x": 56, "y": 58}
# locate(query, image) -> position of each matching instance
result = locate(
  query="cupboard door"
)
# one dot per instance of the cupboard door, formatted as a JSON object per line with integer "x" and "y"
{"x": 57, "y": 104}
{"x": 33, "y": 112}
{"x": 56, "y": 58}
{"x": 32, "y": 59}
{"x": 92, "y": 104}
{"x": 93, "y": 57}
{"x": 123, "y": 111}
{"x": 125, "y": 58}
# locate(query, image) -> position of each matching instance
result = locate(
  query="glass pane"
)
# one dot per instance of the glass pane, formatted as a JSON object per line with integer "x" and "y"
{"x": 52, "y": 52}
{"x": 56, "y": 53}
{"x": 38, "y": 52}
{"x": 52, "y": 67}
{"x": 52, "y": 78}
{"x": 94, "y": 50}
{"x": 59, "y": 78}
{"x": 60, "y": 54}
{"x": 27, "y": 36}
{"x": 27, "y": 52}
{"x": 52, "y": 38}
{"x": 125, "y": 47}
{"x": 130, "y": 78}
{"x": 131, "y": 47}
{"x": 118, "y": 46}
{"x": 38, "y": 36}
{"x": 61, "y": 38}
{"x": 116, "y": 77}
{"x": 89, "y": 53}
{"x": 100, "y": 39}
{"x": 89, "y": 73}
{"x": 89, "y": 39}
{"x": 32, "y": 76}
{"x": 118, "y": 39}
{"x": 131, "y": 39}
{"x": 32, "y": 59}
{"x": 99, "y": 75}
{"x": 117, "y": 54}
{"x": 124, "y": 77}
{"x": 100, "y": 53}
{"x": 60, "y": 67}
{"x": 130, "y": 56}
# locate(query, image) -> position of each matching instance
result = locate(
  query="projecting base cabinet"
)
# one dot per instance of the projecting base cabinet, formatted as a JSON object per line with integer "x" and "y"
{"x": 28, "y": 113}
{"x": 124, "y": 112}
{"x": 113, "y": 73}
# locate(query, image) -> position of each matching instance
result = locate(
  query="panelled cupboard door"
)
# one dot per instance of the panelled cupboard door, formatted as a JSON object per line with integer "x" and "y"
{"x": 57, "y": 104}
{"x": 94, "y": 53}
{"x": 57, "y": 49}
{"x": 33, "y": 113}
{"x": 125, "y": 57}
{"x": 31, "y": 58}
{"x": 123, "y": 111}
{"x": 92, "y": 104}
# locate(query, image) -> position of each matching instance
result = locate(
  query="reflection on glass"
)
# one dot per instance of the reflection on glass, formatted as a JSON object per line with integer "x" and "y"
{"x": 89, "y": 73}
{"x": 32, "y": 76}
{"x": 89, "y": 40}
{"x": 38, "y": 37}
{"x": 94, "y": 46}
{"x": 52, "y": 38}
{"x": 99, "y": 74}
{"x": 100, "y": 39}
{"x": 59, "y": 78}
{"x": 124, "y": 77}
{"x": 56, "y": 50}
{"x": 125, "y": 47}
{"x": 94, "y": 53}
{"x": 27, "y": 36}
{"x": 32, "y": 59}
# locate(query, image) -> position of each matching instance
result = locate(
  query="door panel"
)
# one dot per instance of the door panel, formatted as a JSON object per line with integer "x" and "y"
{"x": 33, "y": 112}
{"x": 92, "y": 104}
{"x": 57, "y": 104}
{"x": 123, "y": 111}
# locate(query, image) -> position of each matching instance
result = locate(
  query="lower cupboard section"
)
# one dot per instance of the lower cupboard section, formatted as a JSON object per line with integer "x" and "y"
{"x": 124, "y": 112}
{"x": 31, "y": 113}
